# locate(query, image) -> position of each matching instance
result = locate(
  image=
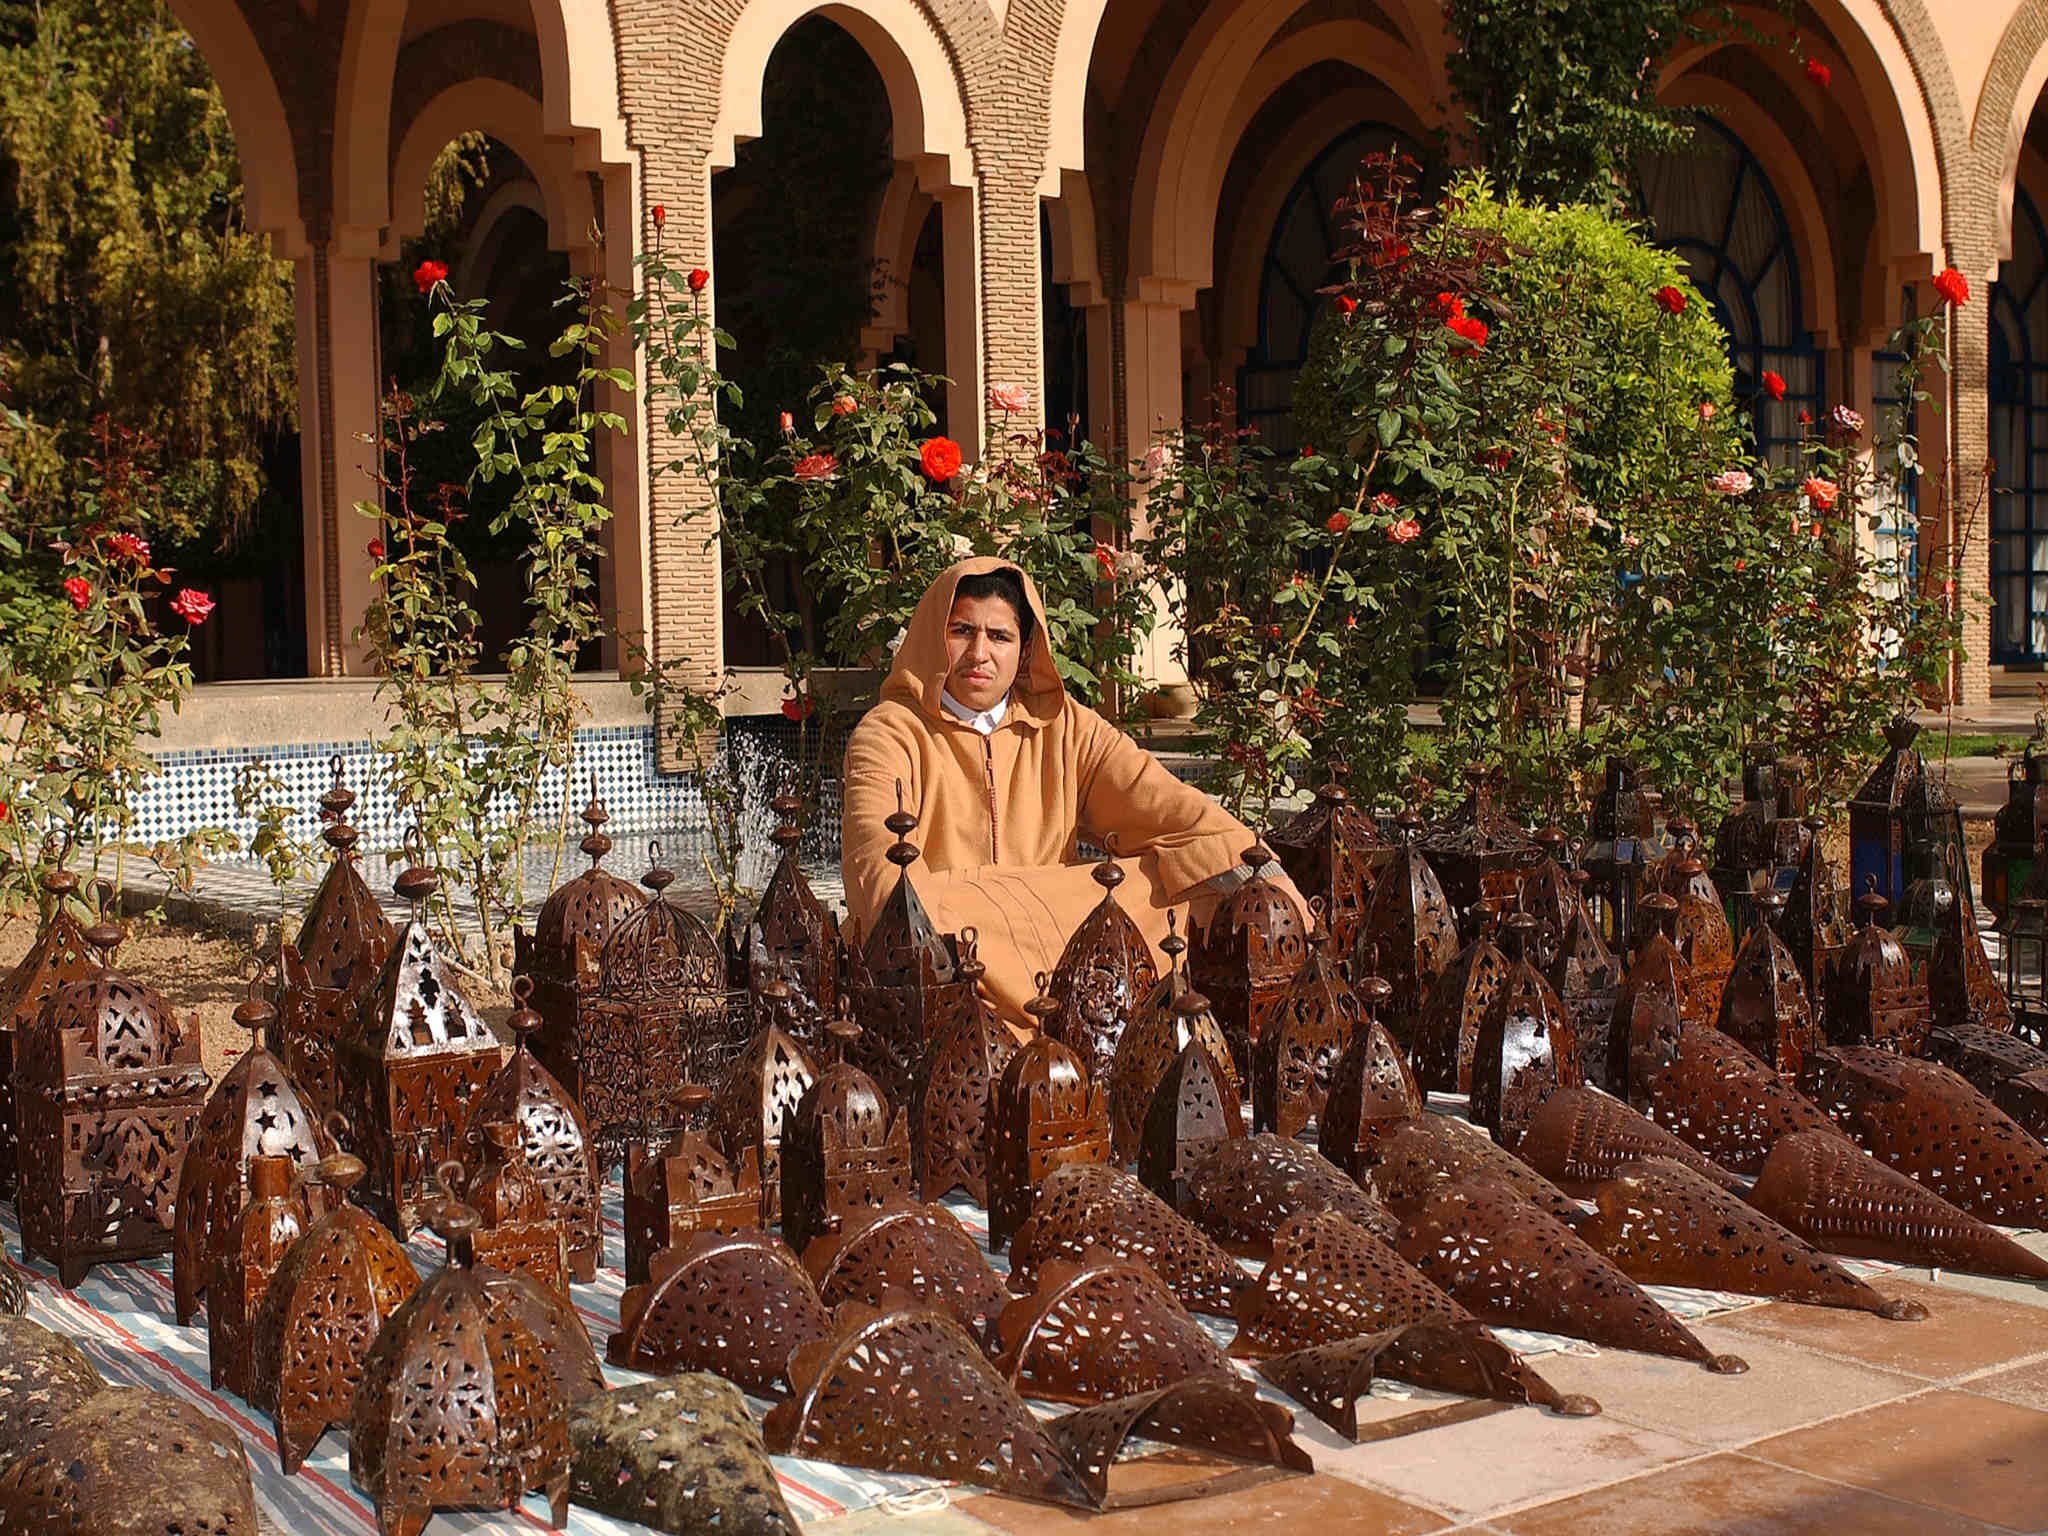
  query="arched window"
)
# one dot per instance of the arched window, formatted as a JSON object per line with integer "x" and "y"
{"x": 1297, "y": 264}
{"x": 1713, "y": 207}
{"x": 2019, "y": 443}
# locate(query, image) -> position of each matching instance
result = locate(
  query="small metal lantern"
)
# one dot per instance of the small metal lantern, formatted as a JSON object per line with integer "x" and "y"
{"x": 547, "y": 1123}
{"x": 1044, "y": 1114}
{"x": 793, "y": 939}
{"x": 1292, "y": 1065}
{"x": 2021, "y": 827}
{"x": 1902, "y": 822}
{"x": 108, "y": 1086}
{"x": 1103, "y": 975}
{"x": 324, "y": 1306}
{"x": 58, "y": 957}
{"x": 343, "y": 943}
{"x": 239, "y": 1273}
{"x": 1480, "y": 851}
{"x": 517, "y": 1232}
{"x": 1525, "y": 1050}
{"x": 1870, "y": 997}
{"x": 1244, "y": 959}
{"x": 1410, "y": 933}
{"x": 1813, "y": 927}
{"x": 752, "y": 1108}
{"x": 1744, "y": 847}
{"x": 1371, "y": 1091}
{"x": 1650, "y": 1006}
{"x": 1190, "y": 1109}
{"x": 1174, "y": 1014}
{"x": 1444, "y": 1039}
{"x": 950, "y": 1146}
{"x": 1550, "y": 893}
{"x": 418, "y": 1054}
{"x": 845, "y": 1149}
{"x": 1621, "y": 834}
{"x": 691, "y": 1187}
{"x": 1587, "y": 979}
{"x": 1700, "y": 930}
{"x": 255, "y": 1111}
{"x": 1765, "y": 1008}
{"x": 1331, "y": 851}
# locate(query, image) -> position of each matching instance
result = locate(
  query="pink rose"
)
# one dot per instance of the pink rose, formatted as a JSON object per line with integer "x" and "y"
{"x": 1009, "y": 398}
{"x": 1731, "y": 482}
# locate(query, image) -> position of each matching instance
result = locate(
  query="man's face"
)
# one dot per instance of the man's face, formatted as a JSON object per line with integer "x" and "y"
{"x": 983, "y": 651}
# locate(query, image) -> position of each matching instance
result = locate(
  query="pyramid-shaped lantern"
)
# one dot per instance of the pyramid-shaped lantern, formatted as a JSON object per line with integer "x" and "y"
{"x": 1587, "y": 980}
{"x": 1525, "y": 1051}
{"x": 568, "y": 936}
{"x": 1103, "y": 977}
{"x": 1245, "y": 959}
{"x": 1293, "y": 1063}
{"x": 1410, "y": 933}
{"x": 1870, "y": 997}
{"x": 1331, "y": 850}
{"x": 761, "y": 1090}
{"x": 342, "y": 946}
{"x": 793, "y": 939}
{"x": 108, "y": 1086}
{"x": 1549, "y": 893}
{"x": 255, "y": 1111}
{"x": 1743, "y": 848}
{"x": 1190, "y": 1111}
{"x": 554, "y": 1145}
{"x": 690, "y": 1187}
{"x": 1962, "y": 987}
{"x": 904, "y": 979}
{"x": 950, "y": 1140}
{"x": 58, "y": 957}
{"x": 1765, "y": 1008}
{"x": 1174, "y": 1015}
{"x": 418, "y": 1054}
{"x": 1044, "y": 1114}
{"x": 1448, "y": 1031}
{"x": 845, "y": 1151}
{"x": 1372, "y": 1090}
{"x": 1650, "y": 1005}
{"x": 1480, "y": 852}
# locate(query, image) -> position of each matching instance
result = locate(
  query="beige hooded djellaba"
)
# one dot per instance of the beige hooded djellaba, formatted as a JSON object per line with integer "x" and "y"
{"x": 999, "y": 817}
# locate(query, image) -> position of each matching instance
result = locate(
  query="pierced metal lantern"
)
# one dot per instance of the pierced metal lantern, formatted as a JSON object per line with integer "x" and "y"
{"x": 1243, "y": 961}
{"x": 1870, "y": 997}
{"x": 1295, "y": 1058}
{"x": 1103, "y": 975}
{"x": 58, "y": 957}
{"x": 950, "y": 1144}
{"x": 845, "y": 1150}
{"x": 1410, "y": 933}
{"x": 1044, "y": 1114}
{"x": 1174, "y": 1014}
{"x": 255, "y": 1111}
{"x": 1650, "y": 1005}
{"x": 1549, "y": 893}
{"x": 793, "y": 939}
{"x": 1621, "y": 834}
{"x": 1190, "y": 1110}
{"x": 1480, "y": 851}
{"x": 1371, "y": 1090}
{"x": 108, "y": 1086}
{"x": 1961, "y": 985}
{"x": 1765, "y": 1008}
{"x": 1745, "y": 846}
{"x": 689, "y": 1188}
{"x": 517, "y": 1232}
{"x": 1331, "y": 851}
{"x": 753, "y": 1106}
{"x": 2018, "y": 832}
{"x": 2023, "y": 938}
{"x": 1587, "y": 980}
{"x": 1813, "y": 927}
{"x": 1903, "y": 821}
{"x": 1525, "y": 1050}
{"x": 548, "y": 1125}
{"x": 418, "y": 1054}
{"x": 904, "y": 979}
{"x": 1700, "y": 930}
{"x": 1441, "y": 1050}
{"x": 324, "y": 1306}
{"x": 343, "y": 944}
{"x": 274, "y": 1217}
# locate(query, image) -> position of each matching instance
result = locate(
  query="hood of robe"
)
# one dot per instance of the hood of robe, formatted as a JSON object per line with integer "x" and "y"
{"x": 918, "y": 676}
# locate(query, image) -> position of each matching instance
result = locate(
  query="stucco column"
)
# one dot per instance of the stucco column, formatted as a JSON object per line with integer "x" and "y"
{"x": 336, "y": 294}
{"x": 1970, "y": 504}
{"x": 966, "y": 410}
{"x": 1150, "y": 355}
{"x": 621, "y": 456}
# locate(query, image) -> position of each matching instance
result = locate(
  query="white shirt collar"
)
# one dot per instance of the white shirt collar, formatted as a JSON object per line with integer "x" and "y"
{"x": 983, "y": 720}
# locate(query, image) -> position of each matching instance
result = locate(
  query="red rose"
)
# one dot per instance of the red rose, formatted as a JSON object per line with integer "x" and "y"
{"x": 428, "y": 273}
{"x": 375, "y": 548}
{"x": 1105, "y": 561}
{"x": 1738, "y": 563}
{"x": 1805, "y": 420}
{"x": 4, "y": 813}
{"x": 1471, "y": 330}
{"x": 1308, "y": 451}
{"x": 1272, "y": 631}
{"x": 1953, "y": 287}
{"x": 192, "y": 605}
{"x": 1384, "y": 502}
{"x": 796, "y": 709}
{"x": 1450, "y": 306}
{"x": 1774, "y": 386}
{"x": 1345, "y": 305}
{"x": 1706, "y": 410}
{"x": 79, "y": 590}
{"x": 698, "y": 278}
{"x": 130, "y": 546}
{"x": 1671, "y": 300}
{"x": 1818, "y": 73}
{"x": 940, "y": 458}
{"x": 816, "y": 466}
{"x": 1406, "y": 531}
{"x": 1340, "y": 522}
{"x": 788, "y": 424}
{"x": 1351, "y": 621}
{"x": 844, "y": 405}
{"x": 660, "y": 215}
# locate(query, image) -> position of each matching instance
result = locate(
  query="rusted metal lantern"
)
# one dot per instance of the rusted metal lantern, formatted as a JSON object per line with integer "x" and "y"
{"x": 1650, "y": 1005}
{"x": 1621, "y": 833}
{"x": 58, "y": 957}
{"x": 1870, "y": 997}
{"x": 108, "y": 1086}
{"x": 1331, "y": 851}
{"x": 950, "y": 1144}
{"x": 324, "y": 1306}
{"x": 517, "y": 1231}
{"x": 1298, "y": 1053}
{"x": 1903, "y": 821}
{"x": 1480, "y": 850}
{"x": 752, "y": 1108}
{"x": 1410, "y": 933}
{"x": 846, "y": 1149}
{"x": 1371, "y": 1090}
{"x": 238, "y": 1274}
{"x": 904, "y": 979}
{"x": 1174, "y": 1015}
{"x": 1044, "y": 1114}
{"x": 1550, "y": 893}
{"x": 1255, "y": 941}
{"x": 1587, "y": 980}
{"x": 255, "y": 1111}
{"x": 1102, "y": 978}
{"x": 2023, "y": 939}
{"x": 1441, "y": 1050}
{"x": 343, "y": 944}
{"x": 1190, "y": 1109}
{"x": 2018, "y": 832}
{"x": 548, "y": 1125}
{"x": 1961, "y": 985}
{"x": 1700, "y": 930}
{"x": 1525, "y": 1050}
{"x": 1744, "y": 847}
{"x": 793, "y": 939}
{"x": 419, "y": 1053}
{"x": 691, "y": 1187}
{"x": 1765, "y": 1008}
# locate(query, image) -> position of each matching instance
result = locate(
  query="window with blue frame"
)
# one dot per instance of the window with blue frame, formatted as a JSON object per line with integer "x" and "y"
{"x": 1713, "y": 207}
{"x": 2019, "y": 444}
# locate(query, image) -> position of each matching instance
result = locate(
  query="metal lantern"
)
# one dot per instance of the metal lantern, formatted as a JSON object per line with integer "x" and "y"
{"x": 1743, "y": 848}
{"x": 1587, "y": 979}
{"x": 2021, "y": 826}
{"x": 904, "y": 979}
{"x": 548, "y": 1125}
{"x": 762, "y": 1089}
{"x": 2022, "y": 929}
{"x": 418, "y": 1054}
{"x": 343, "y": 943}
{"x": 1331, "y": 851}
{"x": 1961, "y": 985}
{"x": 1410, "y": 933}
{"x": 1902, "y": 822}
{"x": 1371, "y": 1090}
{"x": 1525, "y": 1050}
{"x": 793, "y": 939}
{"x": 274, "y": 1218}
{"x": 1190, "y": 1109}
{"x": 1103, "y": 975}
{"x": 1813, "y": 927}
{"x": 1649, "y": 1006}
{"x": 1294, "y": 1060}
{"x": 108, "y": 1086}
{"x": 1700, "y": 930}
{"x": 845, "y": 1150}
{"x": 1043, "y": 1114}
{"x": 1480, "y": 851}
{"x": 1870, "y": 996}
{"x": 691, "y": 1187}
{"x": 518, "y": 1232}
{"x": 1550, "y": 894}
{"x": 1243, "y": 960}
{"x": 1444, "y": 1038}
{"x": 255, "y": 1111}
{"x": 1765, "y": 1008}
{"x": 1621, "y": 833}
{"x": 950, "y": 1146}
{"x": 1174, "y": 1015}
{"x": 58, "y": 957}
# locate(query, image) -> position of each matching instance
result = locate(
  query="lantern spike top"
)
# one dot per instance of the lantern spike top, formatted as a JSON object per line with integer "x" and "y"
{"x": 594, "y": 816}
{"x": 1902, "y": 731}
{"x": 334, "y": 808}
{"x": 658, "y": 877}
{"x": 1174, "y": 945}
{"x": 416, "y": 883}
{"x": 1771, "y": 908}
{"x": 1662, "y": 909}
{"x": 524, "y": 1022}
{"x": 106, "y": 934}
{"x": 787, "y": 806}
{"x": 1042, "y": 1008}
{"x": 1683, "y": 832}
{"x": 1409, "y": 825}
{"x": 902, "y": 852}
{"x": 1518, "y": 931}
{"x": 449, "y": 1216}
{"x": 1332, "y": 791}
{"x": 1550, "y": 837}
{"x": 1871, "y": 906}
{"x": 338, "y": 1170}
{"x": 1108, "y": 873}
{"x": 970, "y": 969}
{"x": 255, "y": 1012}
{"x": 842, "y": 1032}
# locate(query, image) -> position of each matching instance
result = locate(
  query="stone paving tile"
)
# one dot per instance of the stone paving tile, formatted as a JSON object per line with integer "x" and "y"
{"x": 1324, "y": 1505}
{"x": 1962, "y": 1333}
{"x": 1969, "y": 1455}
{"x": 2026, "y": 1385}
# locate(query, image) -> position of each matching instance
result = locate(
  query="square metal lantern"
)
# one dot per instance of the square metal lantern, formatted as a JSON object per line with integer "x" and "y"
{"x": 2023, "y": 933}
{"x": 1903, "y": 822}
{"x": 58, "y": 957}
{"x": 2017, "y": 834}
{"x": 1620, "y": 842}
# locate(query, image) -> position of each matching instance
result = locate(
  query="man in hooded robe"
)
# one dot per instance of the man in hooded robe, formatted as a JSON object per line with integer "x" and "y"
{"x": 1006, "y": 774}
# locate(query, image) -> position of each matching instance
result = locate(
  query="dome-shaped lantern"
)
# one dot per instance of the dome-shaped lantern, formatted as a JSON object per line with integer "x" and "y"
{"x": 762, "y": 1088}
{"x": 274, "y": 1217}
{"x": 1372, "y": 1089}
{"x": 1189, "y": 1111}
{"x": 548, "y": 1125}
{"x": 1584, "y": 973}
{"x": 691, "y": 1187}
{"x": 1174, "y": 1014}
{"x": 58, "y": 957}
{"x": 1870, "y": 997}
{"x": 1700, "y": 930}
{"x": 1650, "y": 1004}
{"x": 418, "y": 1054}
{"x": 1044, "y": 1114}
{"x": 1621, "y": 833}
{"x": 1255, "y": 942}
{"x": 950, "y": 1147}
{"x": 1295, "y": 1058}
{"x": 516, "y": 1233}
{"x": 845, "y": 1151}
{"x": 255, "y": 1111}
{"x": 1903, "y": 822}
{"x": 1765, "y": 1008}
{"x": 1479, "y": 851}
{"x": 1331, "y": 851}
{"x": 1103, "y": 976}
{"x": 108, "y": 1086}
{"x": 324, "y": 1306}
{"x": 793, "y": 939}
{"x": 1448, "y": 1031}
{"x": 1410, "y": 933}
{"x": 904, "y": 979}
{"x": 1525, "y": 1051}
{"x": 343, "y": 943}
{"x": 2021, "y": 826}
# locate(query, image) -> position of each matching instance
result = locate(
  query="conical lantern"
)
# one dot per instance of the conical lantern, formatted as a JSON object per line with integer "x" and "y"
{"x": 1961, "y": 985}
{"x": 1550, "y": 894}
{"x": 1444, "y": 1039}
{"x": 1588, "y": 981}
{"x": 1330, "y": 851}
{"x": 793, "y": 939}
{"x": 1244, "y": 959}
{"x": 274, "y": 1218}
{"x": 59, "y": 956}
{"x": 548, "y": 1125}
{"x": 951, "y": 1141}
{"x": 762, "y": 1089}
{"x": 343, "y": 943}
{"x": 1871, "y": 999}
{"x": 1410, "y": 933}
{"x": 1700, "y": 930}
{"x": 1298, "y": 1053}
{"x": 255, "y": 1111}
{"x": 1650, "y": 1005}
{"x": 691, "y": 1187}
{"x": 1103, "y": 975}
{"x": 1372, "y": 1089}
{"x": 1765, "y": 1008}
{"x": 1480, "y": 851}
{"x": 845, "y": 1151}
{"x": 1190, "y": 1110}
{"x": 1173, "y": 1015}
{"x": 1044, "y": 1114}
{"x": 1525, "y": 1050}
